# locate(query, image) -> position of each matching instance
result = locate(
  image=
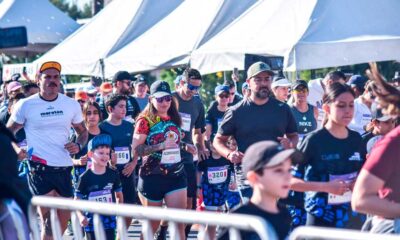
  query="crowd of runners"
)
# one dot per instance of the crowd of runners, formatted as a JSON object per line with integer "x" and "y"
{"x": 318, "y": 153}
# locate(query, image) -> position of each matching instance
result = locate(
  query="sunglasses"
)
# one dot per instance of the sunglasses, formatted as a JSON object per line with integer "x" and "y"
{"x": 192, "y": 87}
{"x": 300, "y": 90}
{"x": 223, "y": 95}
{"x": 167, "y": 98}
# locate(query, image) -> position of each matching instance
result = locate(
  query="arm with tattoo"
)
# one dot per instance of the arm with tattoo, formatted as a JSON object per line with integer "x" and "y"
{"x": 144, "y": 150}
{"x": 82, "y": 133}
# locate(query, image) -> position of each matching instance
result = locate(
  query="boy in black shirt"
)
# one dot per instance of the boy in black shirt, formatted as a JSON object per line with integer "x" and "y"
{"x": 267, "y": 165}
{"x": 100, "y": 184}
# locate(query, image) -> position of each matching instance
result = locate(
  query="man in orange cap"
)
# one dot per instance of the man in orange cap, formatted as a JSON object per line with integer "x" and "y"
{"x": 47, "y": 118}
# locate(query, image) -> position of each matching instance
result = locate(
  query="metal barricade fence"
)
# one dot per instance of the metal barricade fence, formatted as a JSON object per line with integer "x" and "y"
{"x": 234, "y": 222}
{"x": 337, "y": 234}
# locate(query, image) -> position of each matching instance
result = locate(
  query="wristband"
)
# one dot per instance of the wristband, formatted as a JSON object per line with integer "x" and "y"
{"x": 79, "y": 146}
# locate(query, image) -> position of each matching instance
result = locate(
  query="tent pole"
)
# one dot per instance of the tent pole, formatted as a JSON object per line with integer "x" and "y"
{"x": 102, "y": 68}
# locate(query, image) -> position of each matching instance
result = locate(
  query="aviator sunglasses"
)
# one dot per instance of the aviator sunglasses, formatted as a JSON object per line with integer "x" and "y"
{"x": 167, "y": 98}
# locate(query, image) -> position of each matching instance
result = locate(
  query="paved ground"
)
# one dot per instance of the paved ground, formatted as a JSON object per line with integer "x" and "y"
{"x": 134, "y": 233}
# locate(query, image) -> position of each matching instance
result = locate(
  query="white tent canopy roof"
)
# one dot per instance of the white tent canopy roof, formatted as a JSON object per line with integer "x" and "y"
{"x": 347, "y": 32}
{"x": 116, "y": 25}
{"x": 310, "y": 34}
{"x": 170, "y": 42}
{"x": 46, "y": 25}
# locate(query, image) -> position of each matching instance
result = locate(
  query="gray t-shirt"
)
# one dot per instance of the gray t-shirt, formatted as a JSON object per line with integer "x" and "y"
{"x": 193, "y": 116}
{"x": 249, "y": 123}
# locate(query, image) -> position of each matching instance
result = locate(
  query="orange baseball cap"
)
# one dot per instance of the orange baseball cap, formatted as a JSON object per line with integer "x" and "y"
{"x": 106, "y": 87}
{"x": 81, "y": 95}
{"x": 50, "y": 64}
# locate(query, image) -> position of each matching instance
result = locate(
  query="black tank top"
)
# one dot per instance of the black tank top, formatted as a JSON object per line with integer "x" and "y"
{"x": 306, "y": 122}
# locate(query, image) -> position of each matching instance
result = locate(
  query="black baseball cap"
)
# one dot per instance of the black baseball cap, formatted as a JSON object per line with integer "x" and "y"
{"x": 267, "y": 154}
{"x": 160, "y": 89}
{"x": 139, "y": 78}
{"x": 299, "y": 83}
{"x": 122, "y": 75}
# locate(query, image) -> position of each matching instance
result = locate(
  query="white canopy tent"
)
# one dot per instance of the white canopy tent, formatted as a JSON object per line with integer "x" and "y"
{"x": 170, "y": 42}
{"x": 46, "y": 25}
{"x": 347, "y": 32}
{"x": 310, "y": 34}
{"x": 116, "y": 25}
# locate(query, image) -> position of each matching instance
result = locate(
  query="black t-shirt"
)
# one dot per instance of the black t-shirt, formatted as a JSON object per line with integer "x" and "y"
{"x": 193, "y": 117}
{"x": 327, "y": 158}
{"x": 99, "y": 188}
{"x": 216, "y": 175}
{"x": 121, "y": 139}
{"x": 132, "y": 107}
{"x": 279, "y": 221}
{"x": 249, "y": 123}
{"x": 214, "y": 118}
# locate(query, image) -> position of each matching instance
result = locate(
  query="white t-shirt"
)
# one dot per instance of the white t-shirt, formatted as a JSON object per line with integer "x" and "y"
{"x": 47, "y": 126}
{"x": 362, "y": 116}
{"x": 316, "y": 93}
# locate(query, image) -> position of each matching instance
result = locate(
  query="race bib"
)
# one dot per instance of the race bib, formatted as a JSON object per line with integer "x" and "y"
{"x": 217, "y": 175}
{"x": 101, "y": 196}
{"x": 23, "y": 145}
{"x": 186, "y": 121}
{"x": 346, "y": 197}
{"x": 170, "y": 156}
{"x": 122, "y": 154}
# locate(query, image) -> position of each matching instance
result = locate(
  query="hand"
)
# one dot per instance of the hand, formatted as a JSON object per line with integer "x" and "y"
{"x": 82, "y": 160}
{"x": 203, "y": 154}
{"x": 83, "y": 221}
{"x": 128, "y": 169}
{"x": 21, "y": 154}
{"x": 191, "y": 149}
{"x": 235, "y": 156}
{"x": 338, "y": 187}
{"x": 285, "y": 142}
{"x": 113, "y": 159}
{"x": 235, "y": 77}
{"x": 199, "y": 193}
{"x": 72, "y": 148}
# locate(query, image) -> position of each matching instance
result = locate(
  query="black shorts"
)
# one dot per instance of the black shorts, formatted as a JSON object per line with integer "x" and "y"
{"x": 42, "y": 179}
{"x": 190, "y": 172}
{"x": 128, "y": 186}
{"x": 156, "y": 187}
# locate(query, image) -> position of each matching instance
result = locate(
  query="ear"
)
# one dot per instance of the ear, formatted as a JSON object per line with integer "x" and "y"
{"x": 252, "y": 177}
{"x": 109, "y": 109}
{"x": 326, "y": 108}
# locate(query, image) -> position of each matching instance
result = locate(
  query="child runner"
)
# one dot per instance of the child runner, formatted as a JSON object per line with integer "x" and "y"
{"x": 267, "y": 165}
{"x": 215, "y": 175}
{"x": 100, "y": 184}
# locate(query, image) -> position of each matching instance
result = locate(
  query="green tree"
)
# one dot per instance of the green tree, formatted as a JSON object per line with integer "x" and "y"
{"x": 72, "y": 9}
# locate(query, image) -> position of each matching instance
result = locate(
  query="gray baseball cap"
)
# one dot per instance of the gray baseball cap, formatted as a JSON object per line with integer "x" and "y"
{"x": 267, "y": 154}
